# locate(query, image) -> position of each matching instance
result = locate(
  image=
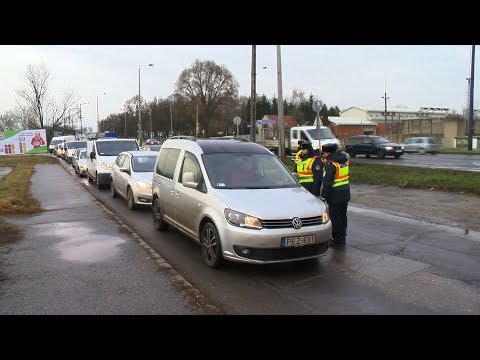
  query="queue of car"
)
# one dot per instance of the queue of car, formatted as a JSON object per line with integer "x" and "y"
{"x": 202, "y": 188}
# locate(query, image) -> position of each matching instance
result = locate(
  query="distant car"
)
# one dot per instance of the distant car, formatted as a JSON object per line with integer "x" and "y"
{"x": 70, "y": 147}
{"x": 131, "y": 177}
{"x": 372, "y": 145}
{"x": 421, "y": 145}
{"x": 79, "y": 162}
{"x": 150, "y": 147}
{"x": 59, "y": 149}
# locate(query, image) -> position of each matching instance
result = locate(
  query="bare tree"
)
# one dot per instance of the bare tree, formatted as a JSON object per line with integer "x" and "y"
{"x": 34, "y": 98}
{"x": 8, "y": 121}
{"x": 210, "y": 86}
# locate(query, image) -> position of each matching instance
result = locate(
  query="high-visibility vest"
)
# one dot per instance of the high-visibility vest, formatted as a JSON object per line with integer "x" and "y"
{"x": 341, "y": 173}
{"x": 304, "y": 169}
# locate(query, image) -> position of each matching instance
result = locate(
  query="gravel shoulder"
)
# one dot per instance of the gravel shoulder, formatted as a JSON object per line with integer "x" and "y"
{"x": 453, "y": 209}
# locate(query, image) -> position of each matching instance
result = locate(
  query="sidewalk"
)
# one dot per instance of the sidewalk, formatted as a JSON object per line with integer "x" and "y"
{"x": 77, "y": 258}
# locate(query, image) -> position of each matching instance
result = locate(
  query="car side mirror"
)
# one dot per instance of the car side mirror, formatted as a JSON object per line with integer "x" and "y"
{"x": 188, "y": 180}
{"x": 125, "y": 170}
{"x": 92, "y": 155}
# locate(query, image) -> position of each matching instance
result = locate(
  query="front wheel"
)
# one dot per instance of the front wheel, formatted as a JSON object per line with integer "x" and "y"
{"x": 112, "y": 190}
{"x": 130, "y": 199}
{"x": 211, "y": 247}
{"x": 99, "y": 185}
{"x": 351, "y": 152}
{"x": 397, "y": 156}
{"x": 380, "y": 154}
{"x": 158, "y": 222}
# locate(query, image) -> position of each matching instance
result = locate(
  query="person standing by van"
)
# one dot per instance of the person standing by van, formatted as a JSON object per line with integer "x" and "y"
{"x": 336, "y": 191}
{"x": 309, "y": 167}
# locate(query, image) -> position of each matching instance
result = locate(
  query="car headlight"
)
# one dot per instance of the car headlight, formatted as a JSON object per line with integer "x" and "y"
{"x": 106, "y": 165}
{"x": 144, "y": 185}
{"x": 242, "y": 220}
{"x": 325, "y": 217}
{"x": 388, "y": 148}
{"x": 402, "y": 146}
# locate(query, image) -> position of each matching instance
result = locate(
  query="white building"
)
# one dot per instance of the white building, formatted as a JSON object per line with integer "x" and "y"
{"x": 394, "y": 114}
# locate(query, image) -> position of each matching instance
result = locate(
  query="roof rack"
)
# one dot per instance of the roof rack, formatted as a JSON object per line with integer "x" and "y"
{"x": 186, "y": 137}
{"x": 227, "y": 138}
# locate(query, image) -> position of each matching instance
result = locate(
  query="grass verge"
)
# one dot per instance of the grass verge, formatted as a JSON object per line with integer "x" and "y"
{"x": 15, "y": 196}
{"x": 417, "y": 178}
{"x": 460, "y": 151}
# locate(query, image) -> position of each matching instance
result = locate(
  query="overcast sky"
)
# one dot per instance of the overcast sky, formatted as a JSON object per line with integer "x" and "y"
{"x": 339, "y": 75}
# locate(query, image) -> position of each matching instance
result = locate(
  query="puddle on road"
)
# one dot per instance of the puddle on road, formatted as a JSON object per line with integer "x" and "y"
{"x": 90, "y": 248}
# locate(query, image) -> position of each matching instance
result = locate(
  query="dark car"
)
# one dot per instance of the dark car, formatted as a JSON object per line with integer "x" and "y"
{"x": 372, "y": 145}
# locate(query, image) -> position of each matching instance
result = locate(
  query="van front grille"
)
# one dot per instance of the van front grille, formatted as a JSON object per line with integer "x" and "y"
{"x": 287, "y": 223}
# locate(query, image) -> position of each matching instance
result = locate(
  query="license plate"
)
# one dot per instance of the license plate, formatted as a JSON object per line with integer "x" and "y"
{"x": 297, "y": 240}
{"x": 395, "y": 150}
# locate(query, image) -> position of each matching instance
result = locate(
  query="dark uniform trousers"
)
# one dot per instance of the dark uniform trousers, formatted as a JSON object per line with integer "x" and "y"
{"x": 338, "y": 216}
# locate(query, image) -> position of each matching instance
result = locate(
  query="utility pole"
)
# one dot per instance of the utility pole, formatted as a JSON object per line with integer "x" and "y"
{"x": 281, "y": 121}
{"x": 151, "y": 128}
{"x": 253, "y": 97}
{"x": 386, "y": 98}
{"x": 125, "y": 123}
{"x": 471, "y": 112}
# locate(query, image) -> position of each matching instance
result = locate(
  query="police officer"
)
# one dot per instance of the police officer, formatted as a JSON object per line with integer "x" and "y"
{"x": 336, "y": 191}
{"x": 309, "y": 167}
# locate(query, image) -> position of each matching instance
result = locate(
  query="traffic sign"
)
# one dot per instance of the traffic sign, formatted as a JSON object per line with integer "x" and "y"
{"x": 237, "y": 120}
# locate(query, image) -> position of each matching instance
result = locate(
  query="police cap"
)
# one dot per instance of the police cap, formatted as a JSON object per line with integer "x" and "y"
{"x": 329, "y": 147}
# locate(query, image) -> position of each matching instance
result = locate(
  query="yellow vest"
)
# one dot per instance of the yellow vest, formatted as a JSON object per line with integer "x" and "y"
{"x": 341, "y": 173}
{"x": 304, "y": 169}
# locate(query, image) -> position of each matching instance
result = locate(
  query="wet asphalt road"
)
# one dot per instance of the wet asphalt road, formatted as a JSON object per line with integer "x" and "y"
{"x": 392, "y": 265}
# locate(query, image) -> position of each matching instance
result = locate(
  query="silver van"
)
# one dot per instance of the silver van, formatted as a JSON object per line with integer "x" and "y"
{"x": 238, "y": 201}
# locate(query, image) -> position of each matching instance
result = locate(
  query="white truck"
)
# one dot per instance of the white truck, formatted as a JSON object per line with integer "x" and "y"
{"x": 292, "y": 135}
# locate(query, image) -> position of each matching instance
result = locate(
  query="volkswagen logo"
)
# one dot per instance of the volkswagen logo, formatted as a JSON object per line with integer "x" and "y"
{"x": 297, "y": 223}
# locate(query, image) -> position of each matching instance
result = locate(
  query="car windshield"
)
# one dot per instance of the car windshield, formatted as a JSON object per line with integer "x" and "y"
{"x": 324, "y": 133}
{"x": 76, "y": 144}
{"x": 143, "y": 163}
{"x": 379, "y": 140}
{"x": 247, "y": 171}
{"x": 113, "y": 148}
{"x": 83, "y": 154}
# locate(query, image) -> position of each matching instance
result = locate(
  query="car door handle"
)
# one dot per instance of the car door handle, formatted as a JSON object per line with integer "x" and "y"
{"x": 177, "y": 194}
{"x": 171, "y": 191}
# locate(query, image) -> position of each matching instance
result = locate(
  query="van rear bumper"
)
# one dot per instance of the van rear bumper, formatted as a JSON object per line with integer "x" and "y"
{"x": 104, "y": 178}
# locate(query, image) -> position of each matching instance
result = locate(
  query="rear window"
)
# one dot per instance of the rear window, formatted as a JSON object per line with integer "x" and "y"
{"x": 143, "y": 163}
{"x": 76, "y": 144}
{"x": 113, "y": 148}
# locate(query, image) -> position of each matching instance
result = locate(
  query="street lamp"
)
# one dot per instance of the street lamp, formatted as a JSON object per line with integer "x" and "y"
{"x": 98, "y": 119}
{"x": 125, "y": 111}
{"x": 80, "y": 115}
{"x": 140, "y": 132}
{"x": 281, "y": 134}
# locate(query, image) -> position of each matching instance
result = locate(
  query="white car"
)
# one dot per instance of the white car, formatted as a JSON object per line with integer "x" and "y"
{"x": 131, "y": 177}
{"x": 79, "y": 162}
{"x": 101, "y": 154}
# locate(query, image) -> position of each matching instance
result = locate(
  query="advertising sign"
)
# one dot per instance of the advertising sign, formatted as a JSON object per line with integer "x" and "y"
{"x": 19, "y": 142}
